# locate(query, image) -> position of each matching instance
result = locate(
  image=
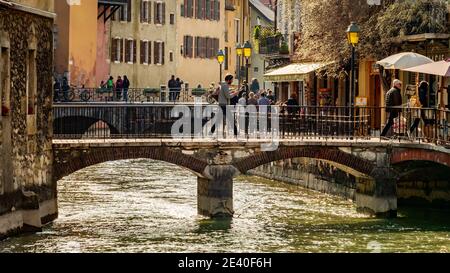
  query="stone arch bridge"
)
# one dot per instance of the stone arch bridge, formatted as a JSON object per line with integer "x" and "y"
{"x": 377, "y": 164}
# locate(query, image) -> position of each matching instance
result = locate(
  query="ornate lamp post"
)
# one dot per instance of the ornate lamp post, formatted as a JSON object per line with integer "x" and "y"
{"x": 220, "y": 59}
{"x": 239, "y": 52}
{"x": 247, "y": 54}
{"x": 353, "y": 39}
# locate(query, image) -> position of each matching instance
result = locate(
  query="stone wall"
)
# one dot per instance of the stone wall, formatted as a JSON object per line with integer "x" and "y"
{"x": 31, "y": 190}
{"x": 311, "y": 174}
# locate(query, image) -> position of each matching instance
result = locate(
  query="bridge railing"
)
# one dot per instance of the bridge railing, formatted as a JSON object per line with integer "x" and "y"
{"x": 103, "y": 121}
{"x": 130, "y": 95}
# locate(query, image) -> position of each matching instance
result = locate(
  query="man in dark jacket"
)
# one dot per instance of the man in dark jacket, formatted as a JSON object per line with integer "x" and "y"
{"x": 393, "y": 100}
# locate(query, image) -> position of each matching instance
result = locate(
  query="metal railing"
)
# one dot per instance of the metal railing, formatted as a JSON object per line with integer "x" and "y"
{"x": 130, "y": 95}
{"x": 294, "y": 122}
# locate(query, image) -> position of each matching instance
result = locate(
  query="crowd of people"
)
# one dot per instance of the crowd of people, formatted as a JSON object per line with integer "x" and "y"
{"x": 120, "y": 87}
{"x": 416, "y": 103}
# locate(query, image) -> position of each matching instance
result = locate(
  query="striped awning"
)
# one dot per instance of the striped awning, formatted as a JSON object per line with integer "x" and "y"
{"x": 293, "y": 72}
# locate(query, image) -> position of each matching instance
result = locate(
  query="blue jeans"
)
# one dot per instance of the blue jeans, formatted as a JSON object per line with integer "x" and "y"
{"x": 125, "y": 94}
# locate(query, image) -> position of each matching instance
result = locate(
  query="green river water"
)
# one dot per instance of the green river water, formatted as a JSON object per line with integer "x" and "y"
{"x": 149, "y": 206}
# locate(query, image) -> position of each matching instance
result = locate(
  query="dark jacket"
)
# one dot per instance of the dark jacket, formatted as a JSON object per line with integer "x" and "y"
{"x": 393, "y": 99}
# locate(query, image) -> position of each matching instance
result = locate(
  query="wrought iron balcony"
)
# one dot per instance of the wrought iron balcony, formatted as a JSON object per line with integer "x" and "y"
{"x": 270, "y": 45}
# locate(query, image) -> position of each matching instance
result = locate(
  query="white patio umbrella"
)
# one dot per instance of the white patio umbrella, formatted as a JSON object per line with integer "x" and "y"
{"x": 441, "y": 68}
{"x": 404, "y": 60}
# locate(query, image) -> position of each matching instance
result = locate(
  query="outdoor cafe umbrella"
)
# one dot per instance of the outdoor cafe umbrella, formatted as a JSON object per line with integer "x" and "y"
{"x": 404, "y": 60}
{"x": 441, "y": 68}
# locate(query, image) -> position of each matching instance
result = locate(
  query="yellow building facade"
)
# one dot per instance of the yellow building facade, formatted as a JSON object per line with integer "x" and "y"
{"x": 200, "y": 34}
{"x": 142, "y": 43}
{"x": 237, "y": 31}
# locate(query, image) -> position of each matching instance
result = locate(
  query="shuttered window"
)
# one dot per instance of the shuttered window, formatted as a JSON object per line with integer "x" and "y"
{"x": 117, "y": 50}
{"x": 160, "y": 13}
{"x": 146, "y": 11}
{"x": 145, "y": 52}
{"x": 130, "y": 51}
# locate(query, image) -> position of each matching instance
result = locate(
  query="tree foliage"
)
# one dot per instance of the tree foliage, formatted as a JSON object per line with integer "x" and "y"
{"x": 325, "y": 23}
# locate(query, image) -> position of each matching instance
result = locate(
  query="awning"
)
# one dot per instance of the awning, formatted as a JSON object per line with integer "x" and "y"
{"x": 293, "y": 72}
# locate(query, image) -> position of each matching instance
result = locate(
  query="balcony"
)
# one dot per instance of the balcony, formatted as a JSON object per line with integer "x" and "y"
{"x": 269, "y": 45}
{"x": 109, "y": 8}
{"x": 112, "y": 2}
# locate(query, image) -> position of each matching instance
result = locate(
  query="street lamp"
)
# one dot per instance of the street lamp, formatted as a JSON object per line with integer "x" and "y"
{"x": 239, "y": 52}
{"x": 247, "y": 54}
{"x": 353, "y": 39}
{"x": 220, "y": 59}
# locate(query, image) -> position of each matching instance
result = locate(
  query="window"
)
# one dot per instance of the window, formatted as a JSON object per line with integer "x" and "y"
{"x": 172, "y": 18}
{"x": 226, "y": 58}
{"x": 130, "y": 51}
{"x": 188, "y": 46}
{"x": 146, "y": 11}
{"x": 146, "y": 49}
{"x": 171, "y": 56}
{"x": 125, "y": 12}
{"x": 237, "y": 30}
{"x": 207, "y": 9}
{"x": 205, "y": 47}
{"x": 159, "y": 54}
{"x": 160, "y": 13}
{"x": 117, "y": 50}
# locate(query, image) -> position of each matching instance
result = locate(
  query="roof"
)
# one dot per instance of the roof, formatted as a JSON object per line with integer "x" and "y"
{"x": 263, "y": 9}
{"x": 293, "y": 72}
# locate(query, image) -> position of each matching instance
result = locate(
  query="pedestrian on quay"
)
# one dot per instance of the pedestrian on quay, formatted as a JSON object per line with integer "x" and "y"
{"x": 126, "y": 87}
{"x": 393, "y": 101}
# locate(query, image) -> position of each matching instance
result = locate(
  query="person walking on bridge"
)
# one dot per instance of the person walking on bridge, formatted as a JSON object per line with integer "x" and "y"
{"x": 393, "y": 101}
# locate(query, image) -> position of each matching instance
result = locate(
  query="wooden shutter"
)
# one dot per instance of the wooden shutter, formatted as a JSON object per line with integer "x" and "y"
{"x": 191, "y": 11}
{"x": 163, "y": 53}
{"x": 127, "y": 51}
{"x": 149, "y": 60}
{"x": 142, "y": 52}
{"x": 149, "y": 19}
{"x": 129, "y": 11}
{"x": 122, "y": 47}
{"x": 155, "y": 11}
{"x": 114, "y": 56}
{"x": 134, "y": 51}
{"x": 163, "y": 13}
{"x": 218, "y": 10}
{"x": 142, "y": 11}
{"x": 156, "y": 52}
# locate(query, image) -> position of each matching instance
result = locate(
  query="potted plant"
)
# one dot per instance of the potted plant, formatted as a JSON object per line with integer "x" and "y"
{"x": 284, "y": 48}
{"x": 198, "y": 92}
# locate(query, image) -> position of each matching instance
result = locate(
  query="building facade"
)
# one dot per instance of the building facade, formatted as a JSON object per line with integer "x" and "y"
{"x": 237, "y": 31}
{"x": 261, "y": 17}
{"x": 76, "y": 48}
{"x": 27, "y": 192}
{"x": 143, "y": 43}
{"x": 199, "y": 36}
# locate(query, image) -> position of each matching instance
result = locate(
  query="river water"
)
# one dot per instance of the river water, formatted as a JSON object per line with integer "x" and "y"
{"x": 150, "y": 206}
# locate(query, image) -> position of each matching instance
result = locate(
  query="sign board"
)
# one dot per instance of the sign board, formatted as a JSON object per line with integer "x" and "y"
{"x": 361, "y": 101}
{"x": 410, "y": 90}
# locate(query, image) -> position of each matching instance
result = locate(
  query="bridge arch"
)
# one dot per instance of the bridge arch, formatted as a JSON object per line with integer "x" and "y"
{"x": 67, "y": 161}
{"x": 405, "y": 155}
{"x": 350, "y": 163}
